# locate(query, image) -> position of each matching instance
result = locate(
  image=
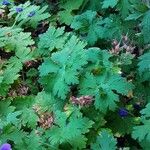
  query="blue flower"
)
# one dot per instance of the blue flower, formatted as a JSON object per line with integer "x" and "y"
{"x": 19, "y": 9}
{"x": 123, "y": 112}
{"x": 31, "y": 14}
{"x": 5, "y": 146}
{"x": 5, "y": 2}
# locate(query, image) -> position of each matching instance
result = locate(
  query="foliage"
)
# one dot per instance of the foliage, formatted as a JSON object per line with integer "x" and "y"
{"x": 52, "y": 39}
{"x": 74, "y": 74}
{"x": 142, "y": 131}
{"x": 144, "y": 66}
{"x": 63, "y": 67}
{"x": 16, "y": 40}
{"x": 102, "y": 87}
{"x": 63, "y": 125}
{"x": 104, "y": 141}
{"x": 30, "y": 15}
{"x": 68, "y": 6}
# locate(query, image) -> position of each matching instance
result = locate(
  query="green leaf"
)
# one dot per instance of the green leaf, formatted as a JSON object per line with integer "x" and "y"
{"x": 10, "y": 74}
{"x": 146, "y": 111}
{"x": 18, "y": 41}
{"x": 142, "y": 132}
{"x": 5, "y": 108}
{"x": 13, "y": 134}
{"x": 125, "y": 7}
{"x": 12, "y": 118}
{"x": 69, "y": 130}
{"x": 144, "y": 66}
{"x": 94, "y": 5}
{"x": 66, "y": 16}
{"x": 29, "y": 118}
{"x": 146, "y": 27}
{"x": 109, "y": 3}
{"x": 47, "y": 102}
{"x": 104, "y": 141}
{"x": 145, "y": 144}
{"x": 102, "y": 87}
{"x": 93, "y": 27}
{"x": 88, "y": 24}
{"x": 12, "y": 69}
{"x": 51, "y": 39}
{"x": 144, "y": 63}
{"x": 100, "y": 60}
{"x": 134, "y": 16}
{"x": 63, "y": 67}
{"x": 33, "y": 141}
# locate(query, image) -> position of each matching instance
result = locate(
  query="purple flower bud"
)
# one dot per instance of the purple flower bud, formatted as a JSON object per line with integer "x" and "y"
{"x": 5, "y": 146}
{"x": 19, "y": 9}
{"x": 31, "y": 14}
{"x": 123, "y": 112}
{"x": 5, "y": 2}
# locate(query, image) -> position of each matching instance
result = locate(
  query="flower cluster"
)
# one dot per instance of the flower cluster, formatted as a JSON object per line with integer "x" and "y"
{"x": 81, "y": 101}
{"x": 46, "y": 120}
{"x": 124, "y": 44}
{"x": 20, "y": 90}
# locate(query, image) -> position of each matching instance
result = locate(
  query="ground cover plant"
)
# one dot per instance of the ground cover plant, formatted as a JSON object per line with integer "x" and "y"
{"x": 74, "y": 75}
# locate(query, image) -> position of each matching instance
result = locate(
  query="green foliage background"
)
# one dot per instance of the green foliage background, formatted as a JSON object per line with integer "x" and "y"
{"x": 68, "y": 70}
